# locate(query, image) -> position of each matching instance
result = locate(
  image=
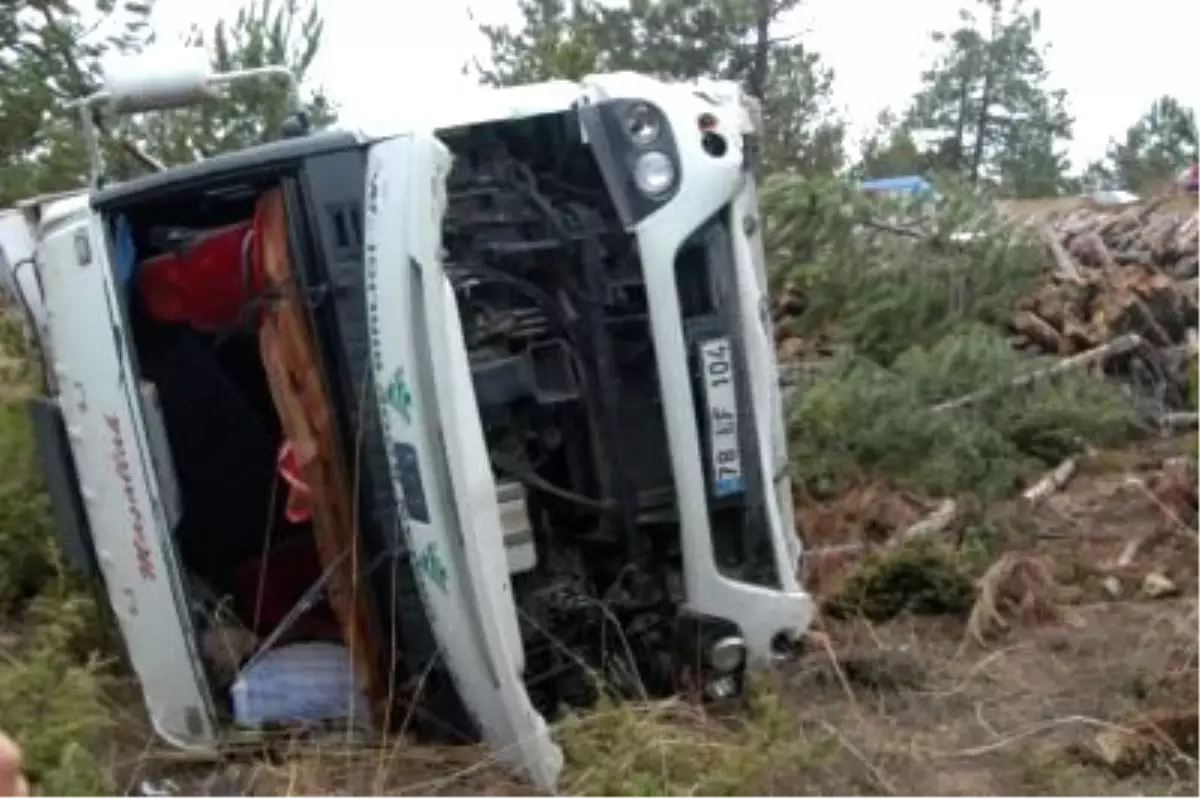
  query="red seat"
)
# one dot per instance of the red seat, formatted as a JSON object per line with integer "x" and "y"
{"x": 205, "y": 286}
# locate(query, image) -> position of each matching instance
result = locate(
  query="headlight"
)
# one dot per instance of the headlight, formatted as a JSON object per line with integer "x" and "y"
{"x": 727, "y": 654}
{"x": 653, "y": 173}
{"x": 642, "y": 124}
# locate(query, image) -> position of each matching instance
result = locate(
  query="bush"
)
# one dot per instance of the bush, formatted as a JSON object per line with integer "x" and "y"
{"x": 27, "y": 543}
{"x": 51, "y": 691}
{"x": 922, "y": 319}
{"x": 862, "y": 417}
{"x": 53, "y": 704}
{"x": 921, "y": 577}
{"x": 884, "y": 294}
{"x": 672, "y": 748}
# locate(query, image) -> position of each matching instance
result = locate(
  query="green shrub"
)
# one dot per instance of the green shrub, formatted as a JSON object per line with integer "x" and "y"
{"x": 27, "y": 544}
{"x": 862, "y": 417}
{"x": 672, "y": 748}
{"x": 922, "y": 320}
{"x": 883, "y": 295}
{"x": 921, "y": 577}
{"x": 53, "y": 704}
{"x": 51, "y": 691}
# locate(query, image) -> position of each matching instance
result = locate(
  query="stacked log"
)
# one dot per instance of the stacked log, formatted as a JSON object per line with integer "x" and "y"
{"x": 1110, "y": 274}
{"x": 1114, "y": 273}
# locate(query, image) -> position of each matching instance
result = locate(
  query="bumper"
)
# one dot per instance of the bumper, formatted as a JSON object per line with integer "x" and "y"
{"x": 766, "y": 603}
{"x": 769, "y": 616}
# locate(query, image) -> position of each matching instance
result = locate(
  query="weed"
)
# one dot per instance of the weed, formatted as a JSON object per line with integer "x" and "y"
{"x": 921, "y": 577}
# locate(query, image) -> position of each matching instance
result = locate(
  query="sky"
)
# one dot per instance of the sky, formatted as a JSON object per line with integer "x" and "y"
{"x": 1113, "y": 58}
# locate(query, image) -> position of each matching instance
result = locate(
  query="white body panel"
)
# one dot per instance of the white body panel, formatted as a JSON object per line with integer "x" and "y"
{"x": 708, "y": 183}
{"x": 16, "y": 244}
{"x": 440, "y": 469}
{"x": 753, "y": 293}
{"x": 106, "y": 426}
{"x": 473, "y": 105}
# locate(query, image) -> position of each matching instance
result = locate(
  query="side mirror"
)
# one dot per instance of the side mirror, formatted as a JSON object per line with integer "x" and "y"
{"x": 159, "y": 79}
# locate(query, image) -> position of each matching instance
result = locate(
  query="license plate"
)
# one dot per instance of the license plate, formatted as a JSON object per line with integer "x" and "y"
{"x": 716, "y": 362}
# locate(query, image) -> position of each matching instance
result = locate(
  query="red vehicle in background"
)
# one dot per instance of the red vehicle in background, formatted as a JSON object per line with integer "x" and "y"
{"x": 1188, "y": 178}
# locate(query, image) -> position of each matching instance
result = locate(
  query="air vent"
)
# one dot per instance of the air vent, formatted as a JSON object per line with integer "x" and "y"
{"x": 345, "y": 227}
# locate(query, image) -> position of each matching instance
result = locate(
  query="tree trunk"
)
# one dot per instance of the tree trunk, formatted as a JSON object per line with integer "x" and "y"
{"x": 960, "y": 127}
{"x": 985, "y": 99}
{"x": 981, "y": 124}
{"x": 762, "y": 50}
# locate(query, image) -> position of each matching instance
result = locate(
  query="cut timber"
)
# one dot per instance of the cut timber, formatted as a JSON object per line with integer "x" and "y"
{"x": 1174, "y": 422}
{"x": 1117, "y": 346}
{"x": 1038, "y": 330}
{"x": 1108, "y": 273}
{"x": 1051, "y": 482}
{"x": 1067, "y": 268}
{"x": 933, "y": 524}
{"x": 304, "y": 411}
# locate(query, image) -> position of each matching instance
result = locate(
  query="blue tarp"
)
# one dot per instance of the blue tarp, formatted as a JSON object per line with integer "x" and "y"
{"x": 898, "y": 185}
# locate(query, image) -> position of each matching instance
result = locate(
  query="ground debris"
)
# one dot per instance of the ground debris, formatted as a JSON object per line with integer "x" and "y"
{"x": 1175, "y": 486}
{"x": 1016, "y": 588}
{"x": 878, "y": 668}
{"x": 1143, "y": 740}
{"x": 883, "y": 669}
{"x": 1156, "y": 586}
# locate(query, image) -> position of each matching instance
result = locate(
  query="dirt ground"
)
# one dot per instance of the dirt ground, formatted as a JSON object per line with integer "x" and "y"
{"x": 922, "y": 707}
{"x": 916, "y": 705}
{"x": 921, "y": 711}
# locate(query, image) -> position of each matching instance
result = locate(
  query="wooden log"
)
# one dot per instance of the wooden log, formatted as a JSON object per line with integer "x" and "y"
{"x": 1051, "y": 482}
{"x": 1038, "y": 330}
{"x": 1118, "y": 346}
{"x": 934, "y": 523}
{"x": 1067, "y": 267}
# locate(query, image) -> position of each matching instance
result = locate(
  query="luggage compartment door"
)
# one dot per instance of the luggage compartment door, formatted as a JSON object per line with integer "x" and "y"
{"x": 111, "y": 443}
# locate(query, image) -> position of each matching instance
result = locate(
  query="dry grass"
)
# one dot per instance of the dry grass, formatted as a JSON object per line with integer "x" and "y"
{"x": 916, "y": 705}
{"x": 911, "y": 706}
{"x": 661, "y": 748}
{"x": 1031, "y": 694}
{"x": 1003, "y": 720}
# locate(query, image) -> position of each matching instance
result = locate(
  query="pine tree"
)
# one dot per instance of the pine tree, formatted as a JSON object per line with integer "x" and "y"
{"x": 988, "y": 99}
{"x": 49, "y": 54}
{"x": 264, "y": 33}
{"x": 1156, "y": 147}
